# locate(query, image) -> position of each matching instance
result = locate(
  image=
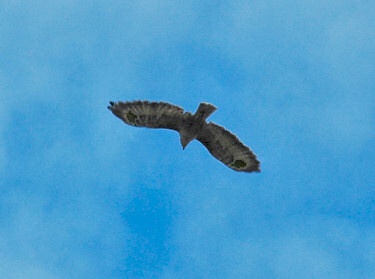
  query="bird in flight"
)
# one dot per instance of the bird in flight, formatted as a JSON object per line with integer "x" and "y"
{"x": 220, "y": 142}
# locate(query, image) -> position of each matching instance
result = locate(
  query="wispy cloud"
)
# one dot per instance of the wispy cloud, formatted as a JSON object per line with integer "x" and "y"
{"x": 82, "y": 195}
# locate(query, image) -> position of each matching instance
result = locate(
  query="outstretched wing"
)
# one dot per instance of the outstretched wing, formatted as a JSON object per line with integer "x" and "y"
{"x": 148, "y": 114}
{"x": 227, "y": 148}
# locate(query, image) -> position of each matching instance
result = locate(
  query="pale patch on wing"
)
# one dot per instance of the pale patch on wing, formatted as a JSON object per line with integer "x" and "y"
{"x": 149, "y": 114}
{"x": 227, "y": 148}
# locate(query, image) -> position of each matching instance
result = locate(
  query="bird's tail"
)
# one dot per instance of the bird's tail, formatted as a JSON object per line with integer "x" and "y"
{"x": 205, "y": 110}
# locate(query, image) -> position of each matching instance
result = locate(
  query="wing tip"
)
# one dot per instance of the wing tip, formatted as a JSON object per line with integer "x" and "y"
{"x": 257, "y": 170}
{"x": 111, "y": 106}
{"x": 257, "y": 166}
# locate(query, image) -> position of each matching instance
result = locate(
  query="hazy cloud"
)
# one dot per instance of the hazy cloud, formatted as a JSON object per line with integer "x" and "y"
{"x": 82, "y": 195}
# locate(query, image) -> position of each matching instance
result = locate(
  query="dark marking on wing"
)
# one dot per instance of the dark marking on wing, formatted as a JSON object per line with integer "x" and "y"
{"x": 238, "y": 164}
{"x": 131, "y": 117}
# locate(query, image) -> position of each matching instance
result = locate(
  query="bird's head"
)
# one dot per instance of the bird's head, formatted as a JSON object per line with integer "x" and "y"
{"x": 185, "y": 141}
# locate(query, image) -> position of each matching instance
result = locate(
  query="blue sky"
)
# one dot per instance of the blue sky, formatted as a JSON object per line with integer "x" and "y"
{"x": 83, "y": 195}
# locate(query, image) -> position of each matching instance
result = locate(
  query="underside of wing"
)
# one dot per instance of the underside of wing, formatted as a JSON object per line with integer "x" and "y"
{"x": 148, "y": 114}
{"x": 227, "y": 148}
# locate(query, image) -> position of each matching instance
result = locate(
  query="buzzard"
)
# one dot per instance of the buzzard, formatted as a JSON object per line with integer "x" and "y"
{"x": 221, "y": 143}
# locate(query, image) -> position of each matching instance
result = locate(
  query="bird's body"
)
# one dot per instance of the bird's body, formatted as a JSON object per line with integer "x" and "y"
{"x": 192, "y": 124}
{"x": 190, "y": 128}
{"x": 221, "y": 143}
